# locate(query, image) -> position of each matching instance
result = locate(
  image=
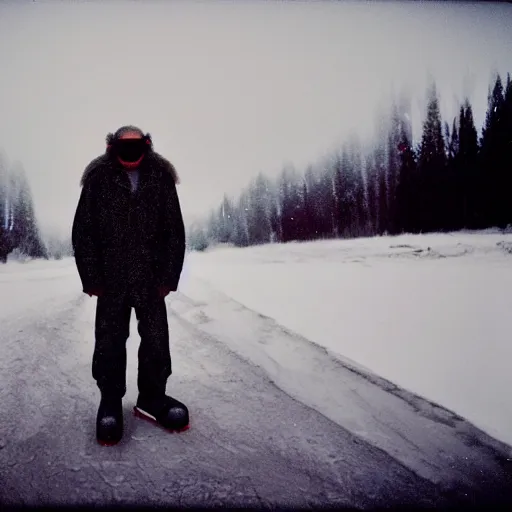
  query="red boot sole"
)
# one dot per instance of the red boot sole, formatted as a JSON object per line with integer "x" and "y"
{"x": 141, "y": 415}
{"x": 107, "y": 443}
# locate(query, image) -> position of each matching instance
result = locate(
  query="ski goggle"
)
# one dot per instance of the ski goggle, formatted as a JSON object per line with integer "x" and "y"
{"x": 130, "y": 150}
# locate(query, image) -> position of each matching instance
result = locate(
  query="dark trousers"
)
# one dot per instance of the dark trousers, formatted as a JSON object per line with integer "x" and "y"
{"x": 112, "y": 329}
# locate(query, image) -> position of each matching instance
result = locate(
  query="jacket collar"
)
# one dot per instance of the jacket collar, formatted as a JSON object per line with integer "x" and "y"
{"x": 155, "y": 163}
{"x": 120, "y": 174}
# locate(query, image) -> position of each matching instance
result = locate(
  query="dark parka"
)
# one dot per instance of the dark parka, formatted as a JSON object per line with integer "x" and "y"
{"x": 126, "y": 240}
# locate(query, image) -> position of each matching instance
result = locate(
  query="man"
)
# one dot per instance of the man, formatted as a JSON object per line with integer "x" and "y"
{"x": 129, "y": 244}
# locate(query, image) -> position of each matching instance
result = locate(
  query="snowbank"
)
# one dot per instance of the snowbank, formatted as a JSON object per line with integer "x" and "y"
{"x": 430, "y": 313}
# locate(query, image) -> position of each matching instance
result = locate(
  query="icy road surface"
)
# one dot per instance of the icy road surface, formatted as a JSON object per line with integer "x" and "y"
{"x": 264, "y": 429}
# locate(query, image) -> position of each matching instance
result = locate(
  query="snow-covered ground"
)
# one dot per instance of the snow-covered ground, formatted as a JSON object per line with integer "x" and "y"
{"x": 430, "y": 313}
{"x": 301, "y": 365}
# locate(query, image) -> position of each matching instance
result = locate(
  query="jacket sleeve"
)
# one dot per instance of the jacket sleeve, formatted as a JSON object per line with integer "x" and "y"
{"x": 85, "y": 245}
{"x": 171, "y": 251}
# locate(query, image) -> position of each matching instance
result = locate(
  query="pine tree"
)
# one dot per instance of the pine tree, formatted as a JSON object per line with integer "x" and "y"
{"x": 308, "y": 214}
{"x": 25, "y": 230}
{"x": 241, "y": 235}
{"x": 393, "y": 167}
{"x": 197, "y": 239}
{"x": 212, "y": 228}
{"x": 357, "y": 204}
{"x": 4, "y": 211}
{"x": 382, "y": 190}
{"x": 468, "y": 170}
{"x": 507, "y": 151}
{"x": 291, "y": 203}
{"x": 361, "y": 206}
{"x": 432, "y": 167}
{"x": 407, "y": 195}
{"x": 344, "y": 194}
{"x": 325, "y": 205}
{"x": 454, "y": 190}
{"x": 337, "y": 190}
{"x": 404, "y": 198}
{"x": 258, "y": 215}
{"x": 492, "y": 158}
{"x": 313, "y": 204}
{"x": 372, "y": 195}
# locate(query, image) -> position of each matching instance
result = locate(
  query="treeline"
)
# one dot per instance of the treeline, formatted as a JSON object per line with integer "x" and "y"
{"x": 451, "y": 180}
{"x": 18, "y": 226}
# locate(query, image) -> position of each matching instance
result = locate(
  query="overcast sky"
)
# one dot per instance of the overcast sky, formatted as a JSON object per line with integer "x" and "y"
{"x": 227, "y": 89}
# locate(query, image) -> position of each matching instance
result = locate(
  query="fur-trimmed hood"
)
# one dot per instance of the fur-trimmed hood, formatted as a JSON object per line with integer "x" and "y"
{"x": 153, "y": 159}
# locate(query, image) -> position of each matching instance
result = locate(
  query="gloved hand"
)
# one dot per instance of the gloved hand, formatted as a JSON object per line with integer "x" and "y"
{"x": 98, "y": 292}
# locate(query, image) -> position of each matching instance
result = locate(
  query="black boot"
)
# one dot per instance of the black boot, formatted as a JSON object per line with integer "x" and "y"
{"x": 166, "y": 412}
{"x": 109, "y": 422}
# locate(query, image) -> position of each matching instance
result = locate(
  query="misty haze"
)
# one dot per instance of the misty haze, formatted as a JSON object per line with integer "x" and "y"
{"x": 309, "y": 211}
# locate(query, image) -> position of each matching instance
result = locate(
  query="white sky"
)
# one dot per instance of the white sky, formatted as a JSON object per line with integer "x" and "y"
{"x": 226, "y": 89}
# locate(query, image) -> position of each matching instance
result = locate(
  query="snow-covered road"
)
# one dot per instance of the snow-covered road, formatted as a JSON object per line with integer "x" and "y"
{"x": 264, "y": 429}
